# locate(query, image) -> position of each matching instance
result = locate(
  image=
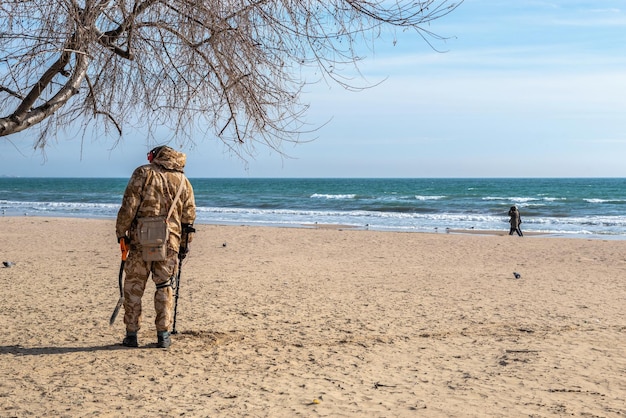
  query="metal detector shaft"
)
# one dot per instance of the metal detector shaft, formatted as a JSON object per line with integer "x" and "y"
{"x": 181, "y": 257}
{"x": 120, "y": 301}
{"x": 180, "y": 264}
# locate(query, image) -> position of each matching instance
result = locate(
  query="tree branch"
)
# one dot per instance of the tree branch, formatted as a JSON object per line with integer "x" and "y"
{"x": 11, "y": 92}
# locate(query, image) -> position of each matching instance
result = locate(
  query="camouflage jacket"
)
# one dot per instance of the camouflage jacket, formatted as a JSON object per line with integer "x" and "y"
{"x": 151, "y": 191}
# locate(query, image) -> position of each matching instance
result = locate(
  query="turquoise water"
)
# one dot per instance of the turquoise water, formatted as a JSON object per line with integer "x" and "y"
{"x": 576, "y": 207}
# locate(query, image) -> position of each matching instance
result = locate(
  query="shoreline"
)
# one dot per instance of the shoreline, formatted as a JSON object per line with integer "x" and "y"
{"x": 316, "y": 225}
{"x": 564, "y": 207}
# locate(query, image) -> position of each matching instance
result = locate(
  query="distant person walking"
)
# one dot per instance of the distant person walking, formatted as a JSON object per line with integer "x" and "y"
{"x": 515, "y": 221}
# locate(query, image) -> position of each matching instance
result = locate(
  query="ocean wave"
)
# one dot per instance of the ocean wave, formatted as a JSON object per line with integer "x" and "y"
{"x": 424, "y": 198}
{"x": 604, "y": 200}
{"x": 332, "y": 196}
{"x": 395, "y": 215}
{"x": 413, "y": 221}
{"x": 554, "y": 199}
{"x": 513, "y": 199}
{"x": 59, "y": 207}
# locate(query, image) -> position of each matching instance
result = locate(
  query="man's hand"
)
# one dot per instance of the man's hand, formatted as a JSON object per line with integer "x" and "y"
{"x": 182, "y": 252}
{"x": 188, "y": 229}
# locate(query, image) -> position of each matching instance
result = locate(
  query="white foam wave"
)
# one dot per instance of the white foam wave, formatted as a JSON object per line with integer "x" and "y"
{"x": 424, "y": 198}
{"x": 605, "y": 225}
{"x": 512, "y": 199}
{"x": 604, "y": 200}
{"x": 410, "y": 221}
{"x": 59, "y": 207}
{"x": 332, "y": 196}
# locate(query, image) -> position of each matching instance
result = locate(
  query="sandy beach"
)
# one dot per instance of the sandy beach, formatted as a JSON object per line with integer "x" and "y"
{"x": 328, "y": 322}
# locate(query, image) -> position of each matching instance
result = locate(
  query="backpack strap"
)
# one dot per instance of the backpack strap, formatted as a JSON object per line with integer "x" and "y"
{"x": 178, "y": 193}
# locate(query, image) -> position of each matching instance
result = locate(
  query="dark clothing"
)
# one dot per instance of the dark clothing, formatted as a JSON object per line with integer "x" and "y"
{"x": 515, "y": 221}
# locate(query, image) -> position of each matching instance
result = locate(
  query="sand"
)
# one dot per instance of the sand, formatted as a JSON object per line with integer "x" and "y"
{"x": 332, "y": 322}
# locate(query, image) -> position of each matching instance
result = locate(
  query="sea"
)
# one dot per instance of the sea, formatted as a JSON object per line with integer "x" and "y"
{"x": 570, "y": 207}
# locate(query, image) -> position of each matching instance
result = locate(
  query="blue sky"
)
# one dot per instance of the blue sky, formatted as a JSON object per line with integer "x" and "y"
{"x": 523, "y": 89}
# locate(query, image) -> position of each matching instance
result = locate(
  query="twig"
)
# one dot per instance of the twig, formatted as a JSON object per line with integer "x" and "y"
{"x": 380, "y": 385}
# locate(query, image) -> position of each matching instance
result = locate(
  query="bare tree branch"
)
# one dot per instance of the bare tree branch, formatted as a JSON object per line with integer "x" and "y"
{"x": 202, "y": 68}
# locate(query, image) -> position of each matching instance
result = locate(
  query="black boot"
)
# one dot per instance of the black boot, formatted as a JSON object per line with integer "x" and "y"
{"x": 130, "y": 340}
{"x": 164, "y": 340}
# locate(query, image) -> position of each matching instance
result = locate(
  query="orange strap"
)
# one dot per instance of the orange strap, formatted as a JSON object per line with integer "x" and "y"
{"x": 124, "y": 249}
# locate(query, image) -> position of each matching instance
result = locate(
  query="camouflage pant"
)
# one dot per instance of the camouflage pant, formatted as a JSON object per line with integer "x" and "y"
{"x": 137, "y": 272}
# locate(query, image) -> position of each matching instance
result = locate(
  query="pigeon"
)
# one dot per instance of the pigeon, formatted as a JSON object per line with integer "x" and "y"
{"x": 517, "y": 275}
{"x": 8, "y": 264}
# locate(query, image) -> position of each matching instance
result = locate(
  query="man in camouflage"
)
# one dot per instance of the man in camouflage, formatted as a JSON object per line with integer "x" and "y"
{"x": 150, "y": 192}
